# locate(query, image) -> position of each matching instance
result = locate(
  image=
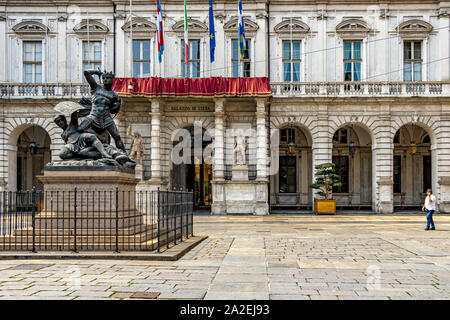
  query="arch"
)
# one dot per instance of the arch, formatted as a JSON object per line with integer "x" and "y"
{"x": 183, "y": 122}
{"x": 13, "y": 135}
{"x": 429, "y": 124}
{"x": 232, "y": 26}
{"x": 415, "y": 164}
{"x": 414, "y": 26}
{"x": 21, "y": 125}
{"x": 291, "y": 25}
{"x": 139, "y": 25}
{"x": 352, "y": 26}
{"x": 354, "y": 159}
{"x": 193, "y": 25}
{"x": 306, "y": 132}
{"x": 367, "y": 123}
{"x": 95, "y": 27}
{"x": 30, "y": 27}
{"x": 196, "y": 173}
{"x": 306, "y": 123}
{"x": 188, "y": 126}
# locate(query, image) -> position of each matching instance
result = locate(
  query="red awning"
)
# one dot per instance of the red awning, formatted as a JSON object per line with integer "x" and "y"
{"x": 193, "y": 87}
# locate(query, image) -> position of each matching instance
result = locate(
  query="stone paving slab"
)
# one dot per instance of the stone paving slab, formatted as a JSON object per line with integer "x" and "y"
{"x": 367, "y": 257}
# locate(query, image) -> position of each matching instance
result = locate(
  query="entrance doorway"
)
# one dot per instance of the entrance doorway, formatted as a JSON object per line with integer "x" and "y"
{"x": 412, "y": 171}
{"x": 290, "y": 189}
{"x": 196, "y": 172}
{"x": 352, "y": 156}
{"x": 30, "y": 162}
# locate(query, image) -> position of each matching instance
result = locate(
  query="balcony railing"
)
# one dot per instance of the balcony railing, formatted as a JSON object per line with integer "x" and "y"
{"x": 279, "y": 89}
{"x": 43, "y": 90}
{"x": 359, "y": 89}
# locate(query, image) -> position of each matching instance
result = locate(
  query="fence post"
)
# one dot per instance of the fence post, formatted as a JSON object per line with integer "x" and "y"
{"x": 117, "y": 220}
{"x": 167, "y": 209}
{"x": 159, "y": 222}
{"x": 33, "y": 221}
{"x": 75, "y": 221}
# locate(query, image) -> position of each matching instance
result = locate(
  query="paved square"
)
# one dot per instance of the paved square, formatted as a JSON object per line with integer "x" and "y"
{"x": 300, "y": 257}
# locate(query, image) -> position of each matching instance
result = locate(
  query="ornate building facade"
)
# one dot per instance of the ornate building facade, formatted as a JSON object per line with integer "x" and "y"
{"x": 362, "y": 84}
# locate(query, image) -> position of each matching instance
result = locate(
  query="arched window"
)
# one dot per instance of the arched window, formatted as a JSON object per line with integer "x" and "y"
{"x": 340, "y": 136}
{"x": 426, "y": 139}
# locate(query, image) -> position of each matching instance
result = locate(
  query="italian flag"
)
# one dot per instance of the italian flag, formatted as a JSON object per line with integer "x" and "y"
{"x": 186, "y": 40}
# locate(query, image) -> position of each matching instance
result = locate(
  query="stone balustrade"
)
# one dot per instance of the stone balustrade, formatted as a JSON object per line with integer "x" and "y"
{"x": 43, "y": 90}
{"x": 279, "y": 89}
{"x": 362, "y": 89}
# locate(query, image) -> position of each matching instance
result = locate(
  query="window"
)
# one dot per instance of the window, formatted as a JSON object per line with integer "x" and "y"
{"x": 397, "y": 174}
{"x": 32, "y": 61}
{"x": 352, "y": 60}
{"x": 291, "y": 61}
{"x": 92, "y": 56}
{"x": 141, "y": 58}
{"x": 412, "y": 61}
{"x": 340, "y": 136}
{"x": 341, "y": 168}
{"x": 193, "y": 67}
{"x": 241, "y": 67}
{"x": 287, "y": 135}
{"x": 288, "y": 174}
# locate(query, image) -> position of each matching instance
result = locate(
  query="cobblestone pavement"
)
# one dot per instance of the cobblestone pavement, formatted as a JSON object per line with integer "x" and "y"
{"x": 275, "y": 257}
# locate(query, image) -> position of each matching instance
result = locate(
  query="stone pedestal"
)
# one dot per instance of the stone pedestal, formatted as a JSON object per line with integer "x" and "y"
{"x": 239, "y": 172}
{"x": 97, "y": 203}
{"x": 240, "y": 197}
{"x": 139, "y": 172}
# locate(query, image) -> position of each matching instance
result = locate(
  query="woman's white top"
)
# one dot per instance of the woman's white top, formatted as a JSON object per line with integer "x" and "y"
{"x": 430, "y": 205}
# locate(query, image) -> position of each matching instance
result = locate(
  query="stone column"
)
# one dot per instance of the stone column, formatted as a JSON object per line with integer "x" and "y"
{"x": 261, "y": 138}
{"x": 261, "y": 192}
{"x": 218, "y": 183}
{"x": 382, "y": 153}
{"x": 322, "y": 146}
{"x": 156, "y": 141}
{"x": 218, "y": 165}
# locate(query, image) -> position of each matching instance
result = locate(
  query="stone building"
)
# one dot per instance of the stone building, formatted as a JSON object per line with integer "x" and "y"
{"x": 359, "y": 83}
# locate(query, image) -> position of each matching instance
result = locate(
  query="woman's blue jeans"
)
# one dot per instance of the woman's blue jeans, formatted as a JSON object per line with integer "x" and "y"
{"x": 430, "y": 221}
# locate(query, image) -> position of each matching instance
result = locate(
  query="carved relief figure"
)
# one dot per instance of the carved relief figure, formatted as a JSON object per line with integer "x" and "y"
{"x": 240, "y": 147}
{"x": 137, "y": 146}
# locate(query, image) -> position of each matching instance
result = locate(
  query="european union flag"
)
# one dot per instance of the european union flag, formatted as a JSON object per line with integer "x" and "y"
{"x": 212, "y": 34}
{"x": 241, "y": 31}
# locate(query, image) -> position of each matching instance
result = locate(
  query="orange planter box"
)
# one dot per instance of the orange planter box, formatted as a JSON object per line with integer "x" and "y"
{"x": 324, "y": 206}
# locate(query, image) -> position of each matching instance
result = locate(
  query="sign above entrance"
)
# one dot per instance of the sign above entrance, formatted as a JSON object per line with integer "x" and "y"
{"x": 189, "y": 108}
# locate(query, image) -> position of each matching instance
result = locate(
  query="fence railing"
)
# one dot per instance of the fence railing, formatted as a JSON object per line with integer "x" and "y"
{"x": 82, "y": 220}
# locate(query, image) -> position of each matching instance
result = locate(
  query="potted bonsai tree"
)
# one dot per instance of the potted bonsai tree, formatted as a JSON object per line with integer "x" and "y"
{"x": 326, "y": 179}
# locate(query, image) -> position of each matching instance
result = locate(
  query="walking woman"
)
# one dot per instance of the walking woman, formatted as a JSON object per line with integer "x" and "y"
{"x": 429, "y": 206}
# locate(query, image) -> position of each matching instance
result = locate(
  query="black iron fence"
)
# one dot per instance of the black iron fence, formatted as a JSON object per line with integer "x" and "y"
{"x": 82, "y": 220}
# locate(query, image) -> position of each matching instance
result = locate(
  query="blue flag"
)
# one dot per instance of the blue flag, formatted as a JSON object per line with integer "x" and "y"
{"x": 212, "y": 34}
{"x": 241, "y": 31}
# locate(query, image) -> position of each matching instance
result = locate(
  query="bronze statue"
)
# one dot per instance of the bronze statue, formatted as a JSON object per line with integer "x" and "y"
{"x": 87, "y": 145}
{"x": 83, "y": 141}
{"x": 104, "y": 103}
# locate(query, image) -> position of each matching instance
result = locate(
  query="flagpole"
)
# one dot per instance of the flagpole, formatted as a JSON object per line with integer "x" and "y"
{"x": 186, "y": 43}
{"x": 131, "y": 38}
